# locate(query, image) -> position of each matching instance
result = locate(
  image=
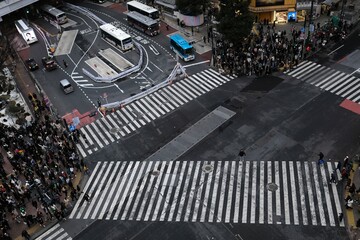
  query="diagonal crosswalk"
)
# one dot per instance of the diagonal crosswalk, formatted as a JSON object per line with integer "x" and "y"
{"x": 255, "y": 192}
{"x": 55, "y": 232}
{"x": 133, "y": 116}
{"x": 339, "y": 83}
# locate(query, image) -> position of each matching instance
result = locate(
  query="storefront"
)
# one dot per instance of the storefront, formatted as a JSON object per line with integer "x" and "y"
{"x": 272, "y": 10}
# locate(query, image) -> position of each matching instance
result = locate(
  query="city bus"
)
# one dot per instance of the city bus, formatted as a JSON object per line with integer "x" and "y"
{"x": 26, "y": 31}
{"x": 143, "y": 9}
{"x": 55, "y": 16}
{"x": 116, "y": 36}
{"x": 143, "y": 23}
{"x": 181, "y": 47}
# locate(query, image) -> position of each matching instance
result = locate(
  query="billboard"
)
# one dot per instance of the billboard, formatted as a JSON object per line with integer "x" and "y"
{"x": 266, "y": 3}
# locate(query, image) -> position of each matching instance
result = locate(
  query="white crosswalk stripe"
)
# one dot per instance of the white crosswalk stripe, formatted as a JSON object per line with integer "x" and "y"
{"x": 141, "y": 112}
{"x": 255, "y": 192}
{"x": 339, "y": 83}
{"x": 56, "y": 232}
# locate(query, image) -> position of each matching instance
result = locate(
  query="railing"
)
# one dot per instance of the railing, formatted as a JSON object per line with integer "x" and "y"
{"x": 175, "y": 75}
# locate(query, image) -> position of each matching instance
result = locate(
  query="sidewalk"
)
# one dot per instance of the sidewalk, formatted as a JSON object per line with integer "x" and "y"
{"x": 26, "y": 85}
{"x": 353, "y": 215}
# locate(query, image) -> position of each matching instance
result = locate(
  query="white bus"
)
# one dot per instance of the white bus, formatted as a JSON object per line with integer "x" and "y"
{"x": 143, "y": 9}
{"x": 143, "y": 23}
{"x": 26, "y": 31}
{"x": 53, "y": 15}
{"x": 116, "y": 36}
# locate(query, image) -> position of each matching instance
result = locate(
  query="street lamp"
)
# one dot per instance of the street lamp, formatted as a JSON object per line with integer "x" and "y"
{"x": 310, "y": 19}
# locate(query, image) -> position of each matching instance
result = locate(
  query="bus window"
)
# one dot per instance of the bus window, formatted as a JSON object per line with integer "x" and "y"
{"x": 181, "y": 47}
{"x": 144, "y": 9}
{"x": 26, "y": 31}
{"x": 53, "y": 15}
{"x": 143, "y": 23}
{"x": 116, "y": 36}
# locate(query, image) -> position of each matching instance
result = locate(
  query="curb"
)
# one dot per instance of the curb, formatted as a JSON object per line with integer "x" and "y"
{"x": 350, "y": 218}
{"x": 36, "y": 230}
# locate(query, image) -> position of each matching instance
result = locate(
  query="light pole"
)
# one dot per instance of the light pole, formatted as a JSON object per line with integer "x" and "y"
{"x": 310, "y": 19}
{"x": 342, "y": 11}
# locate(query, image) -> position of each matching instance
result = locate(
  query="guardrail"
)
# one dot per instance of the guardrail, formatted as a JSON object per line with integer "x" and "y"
{"x": 119, "y": 75}
{"x": 85, "y": 12}
{"x": 176, "y": 74}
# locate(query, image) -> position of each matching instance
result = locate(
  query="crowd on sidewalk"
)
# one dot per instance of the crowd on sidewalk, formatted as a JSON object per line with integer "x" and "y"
{"x": 39, "y": 162}
{"x": 268, "y": 50}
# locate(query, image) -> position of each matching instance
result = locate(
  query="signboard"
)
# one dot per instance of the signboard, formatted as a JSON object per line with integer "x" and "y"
{"x": 312, "y": 28}
{"x": 72, "y": 127}
{"x": 266, "y": 3}
{"x": 76, "y": 121}
{"x": 291, "y": 17}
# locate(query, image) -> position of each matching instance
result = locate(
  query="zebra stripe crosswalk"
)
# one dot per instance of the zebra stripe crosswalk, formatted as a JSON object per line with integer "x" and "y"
{"x": 254, "y": 192}
{"x": 331, "y": 80}
{"x": 139, "y": 113}
{"x": 56, "y": 232}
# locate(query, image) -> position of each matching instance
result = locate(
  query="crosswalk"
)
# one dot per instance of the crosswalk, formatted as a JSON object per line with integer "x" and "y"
{"x": 81, "y": 80}
{"x": 135, "y": 115}
{"x": 328, "y": 79}
{"x": 255, "y": 192}
{"x": 55, "y": 232}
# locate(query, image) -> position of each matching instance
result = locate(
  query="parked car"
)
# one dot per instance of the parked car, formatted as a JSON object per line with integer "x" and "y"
{"x": 49, "y": 63}
{"x": 31, "y": 64}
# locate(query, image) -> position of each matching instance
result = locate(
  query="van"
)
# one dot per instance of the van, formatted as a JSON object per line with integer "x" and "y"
{"x": 66, "y": 86}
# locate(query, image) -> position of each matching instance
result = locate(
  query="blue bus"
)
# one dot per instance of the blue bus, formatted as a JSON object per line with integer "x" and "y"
{"x": 181, "y": 47}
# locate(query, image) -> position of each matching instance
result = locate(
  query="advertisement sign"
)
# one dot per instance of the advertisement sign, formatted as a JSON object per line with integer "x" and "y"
{"x": 291, "y": 16}
{"x": 265, "y": 3}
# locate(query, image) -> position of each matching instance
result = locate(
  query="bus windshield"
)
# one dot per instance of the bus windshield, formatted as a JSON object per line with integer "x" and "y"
{"x": 127, "y": 40}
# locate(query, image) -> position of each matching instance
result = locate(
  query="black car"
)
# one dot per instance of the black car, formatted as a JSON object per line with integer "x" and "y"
{"x": 49, "y": 63}
{"x": 31, "y": 64}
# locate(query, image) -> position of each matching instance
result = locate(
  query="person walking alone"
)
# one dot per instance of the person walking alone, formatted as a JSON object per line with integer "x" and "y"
{"x": 87, "y": 197}
{"x": 242, "y": 154}
{"x": 26, "y": 235}
{"x": 65, "y": 63}
{"x": 332, "y": 178}
{"x": 321, "y": 158}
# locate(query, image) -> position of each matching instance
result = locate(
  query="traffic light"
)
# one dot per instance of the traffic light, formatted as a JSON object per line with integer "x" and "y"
{"x": 308, "y": 48}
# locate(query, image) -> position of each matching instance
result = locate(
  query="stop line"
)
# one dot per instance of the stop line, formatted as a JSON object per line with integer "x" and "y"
{"x": 55, "y": 232}
{"x": 141, "y": 112}
{"x": 328, "y": 79}
{"x": 256, "y": 192}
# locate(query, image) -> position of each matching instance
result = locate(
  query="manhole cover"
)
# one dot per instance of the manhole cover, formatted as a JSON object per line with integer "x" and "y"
{"x": 155, "y": 173}
{"x": 114, "y": 130}
{"x": 207, "y": 168}
{"x": 272, "y": 187}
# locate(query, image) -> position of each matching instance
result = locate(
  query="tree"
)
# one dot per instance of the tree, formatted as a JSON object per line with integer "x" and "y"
{"x": 190, "y": 7}
{"x": 235, "y": 20}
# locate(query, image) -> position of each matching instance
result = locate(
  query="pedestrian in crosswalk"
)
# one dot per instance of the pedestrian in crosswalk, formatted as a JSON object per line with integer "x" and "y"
{"x": 242, "y": 154}
{"x": 338, "y": 166}
{"x": 341, "y": 216}
{"x": 332, "y": 178}
{"x": 87, "y": 197}
{"x": 321, "y": 158}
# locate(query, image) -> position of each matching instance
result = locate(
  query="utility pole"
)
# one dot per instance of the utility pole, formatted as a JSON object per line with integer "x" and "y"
{"x": 305, "y": 39}
{"x": 342, "y": 11}
{"x": 310, "y": 19}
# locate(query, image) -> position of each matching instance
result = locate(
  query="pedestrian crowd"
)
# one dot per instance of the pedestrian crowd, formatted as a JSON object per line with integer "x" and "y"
{"x": 268, "y": 50}
{"x": 43, "y": 163}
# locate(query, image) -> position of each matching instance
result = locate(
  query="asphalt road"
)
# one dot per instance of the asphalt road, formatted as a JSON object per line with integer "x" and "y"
{"x": 285, "y": 120}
